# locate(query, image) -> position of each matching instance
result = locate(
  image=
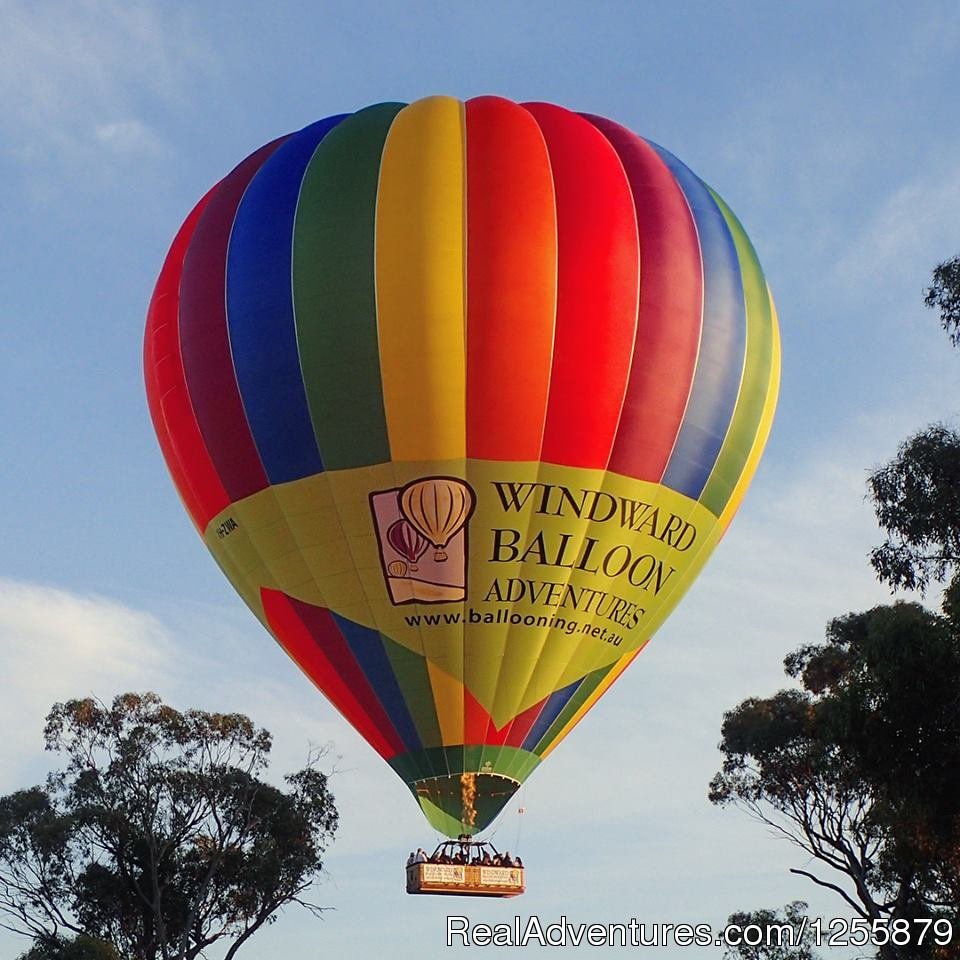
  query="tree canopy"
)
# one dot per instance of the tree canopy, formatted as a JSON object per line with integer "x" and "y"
{"x": 80, "y": 947}
{"x": 917, "y": 501}
{"x": 943, "y": 295}
{"x": 917, "y": 495}
{"x": 860, "y": 767}
{"x": 770, "y": 928}
{"x": 159, "y": 836}
{"x": 859, "y": 764}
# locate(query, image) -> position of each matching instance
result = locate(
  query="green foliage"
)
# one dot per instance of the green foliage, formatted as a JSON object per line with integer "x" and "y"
{"x": 80, "y": 947}
{"x": 917, "y": 501}
{"x": 894, "y": 704}
{"x": 917, "y": 495}
{"x": 944, "y": 295}
{"x": 778, "y": 943}
{"x": 159, "y": 835}
{"x": 861, "y": 767}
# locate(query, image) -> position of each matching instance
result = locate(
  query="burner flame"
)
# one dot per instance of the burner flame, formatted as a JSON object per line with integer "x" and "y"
{"x": 468, "y": 794}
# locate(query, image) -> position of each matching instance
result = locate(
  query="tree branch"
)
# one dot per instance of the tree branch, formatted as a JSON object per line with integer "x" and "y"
{"x": 832, "y": 886}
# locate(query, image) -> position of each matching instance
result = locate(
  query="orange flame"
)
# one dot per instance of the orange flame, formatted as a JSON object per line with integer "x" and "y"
{"x": 468, "y": 793}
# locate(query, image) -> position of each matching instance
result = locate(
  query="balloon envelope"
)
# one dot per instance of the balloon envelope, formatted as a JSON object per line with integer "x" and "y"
{"x": 535, "y": 337}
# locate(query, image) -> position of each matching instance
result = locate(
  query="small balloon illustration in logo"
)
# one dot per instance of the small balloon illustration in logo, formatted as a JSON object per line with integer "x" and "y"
{"x": 408, "y": 542}
{"x": 430, "y": 512}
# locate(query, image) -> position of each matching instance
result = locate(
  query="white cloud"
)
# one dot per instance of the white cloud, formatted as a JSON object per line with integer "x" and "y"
{"x": 932, "y": 42}
{"x": 639, "y": 766}
{"x": 128, "y": 137}
{"x": 795, "y": 557}
{"x": 58, "y": 645}
{"x": 78, "y": 80}
{"x": 267, "y": 686}
{"x": 910, "y": 230}
{"x": 627, "y": 789}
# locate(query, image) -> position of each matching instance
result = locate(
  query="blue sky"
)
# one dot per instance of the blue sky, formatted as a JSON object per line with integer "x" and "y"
{"x": 829, "y": 128}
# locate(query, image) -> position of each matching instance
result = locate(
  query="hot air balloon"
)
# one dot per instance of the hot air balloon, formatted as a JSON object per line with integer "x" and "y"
{"x": 536, "y": 338}
{"x": 438, "y": 508}
{"x": 408, "y": 542}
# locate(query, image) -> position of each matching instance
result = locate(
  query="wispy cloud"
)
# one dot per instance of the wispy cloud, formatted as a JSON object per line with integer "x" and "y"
{"x": 57, "y": 645}
{"x": 78, "y": 81}
{"x": 794, "y": 558}
{"x": 911, "y": 229}
{"x": 128, "y": 137}
{"x": 638, "y": 768}
{"x": 932, "y": 41}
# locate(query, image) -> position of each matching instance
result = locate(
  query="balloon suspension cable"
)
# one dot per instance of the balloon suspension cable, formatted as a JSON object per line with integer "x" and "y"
{"x": 521, "y": 810}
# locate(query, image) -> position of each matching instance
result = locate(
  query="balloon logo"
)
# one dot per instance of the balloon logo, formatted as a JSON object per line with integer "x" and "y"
{"x": 407, "y": 541}
{"x": 457, "y": 451}
{"x": 438, "y": 508}
{"x": 406, "y": 520}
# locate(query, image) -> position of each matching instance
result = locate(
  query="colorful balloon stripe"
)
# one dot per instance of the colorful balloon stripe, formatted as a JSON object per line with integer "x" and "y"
{"x": 311, "y": 638}
{"x": 361, "y": 667}
{"x": 511, "y": 246}
{"x": 260, "y": 311}
{"x": 205, "y": 342}
{"x": 334, "y": 290}
{"x": 763, "y": 431}
{"x": 187, "y": 457}
{"x": 410, "y": 671}
{"x": 670, "y": 311}
{"x": 367, "y": 648}
{"x": 595, "y": 686}
{"x": 420, "y": 293}
{"x": 748, "y": 413}
{"x": 598, "y": 267}
{"x": 723, "y": 342}
{"x": 461, "y": 396}
{"x": 548, "y": 715}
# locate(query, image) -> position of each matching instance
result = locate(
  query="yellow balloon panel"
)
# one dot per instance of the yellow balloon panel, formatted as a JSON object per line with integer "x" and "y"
{"x": 547, "y": 572}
